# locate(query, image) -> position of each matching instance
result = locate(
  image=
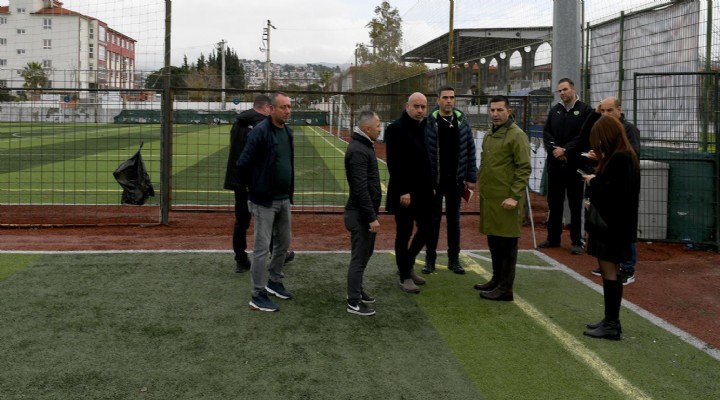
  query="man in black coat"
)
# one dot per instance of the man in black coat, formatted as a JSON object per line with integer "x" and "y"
{"x": 361, "y": 210}
{"x": 244, "y": 123}
{"x": 410, "y": 190}
{"x": 564, "y": 144}
{"x": 451, "y": 149}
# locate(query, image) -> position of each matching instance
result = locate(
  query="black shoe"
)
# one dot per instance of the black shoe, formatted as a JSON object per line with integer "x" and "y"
{"x": 576, "y": 250}
{"x": 497, "y": 295}
{"x": 486, "y": 287}
{"x": 289, "y": 256}
{"x": 366, "y": 298}
{"x": 429, "y": 267}
{"x": 360, "y": 309}
{"x": 455, "y": 267}
{"x": 606, "y": 330}
{"x": 595, "y": 325}
{"x": 548, "y": 244}
{"x": 242, "y": 266}
{"x": 278, "y": 289}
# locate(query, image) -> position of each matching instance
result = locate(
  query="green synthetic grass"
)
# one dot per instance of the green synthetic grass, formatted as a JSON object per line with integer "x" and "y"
{"x": 177, "y": 325}
{"x": 73, "y": 163}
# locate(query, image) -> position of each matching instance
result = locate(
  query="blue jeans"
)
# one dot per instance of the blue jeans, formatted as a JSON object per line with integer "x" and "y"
{"x": 271, "y": 223}
{"x": 628, "y": 267}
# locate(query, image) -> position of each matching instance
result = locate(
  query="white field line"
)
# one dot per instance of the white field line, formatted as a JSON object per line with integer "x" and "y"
{"x": 570, "y": 343}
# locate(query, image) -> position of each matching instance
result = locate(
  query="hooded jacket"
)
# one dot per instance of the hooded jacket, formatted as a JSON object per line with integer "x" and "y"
{"x": 244, "y": 123}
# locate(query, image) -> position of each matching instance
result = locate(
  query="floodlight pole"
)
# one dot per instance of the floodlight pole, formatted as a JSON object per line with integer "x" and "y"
{"x": 450, "y": 44}
{"x": 222, "y": 64}
{"x": 267, "y": 55}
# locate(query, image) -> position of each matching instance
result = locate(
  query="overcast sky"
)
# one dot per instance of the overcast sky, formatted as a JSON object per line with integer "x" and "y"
{"x": 308, "y": 31}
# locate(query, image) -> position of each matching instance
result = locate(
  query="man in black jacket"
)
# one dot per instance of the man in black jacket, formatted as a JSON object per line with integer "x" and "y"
{"x": 410, "y": 190}
{"x": 451, "y": 149}
{"x": 564, "y": 143}
{"x": 361, "y": 210}
{"x": 233, "y": 181}
{"x": 268, "y": 163}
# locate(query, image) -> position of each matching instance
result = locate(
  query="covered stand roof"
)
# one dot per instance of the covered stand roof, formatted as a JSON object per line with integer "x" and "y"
{"x": 471, "y": 44}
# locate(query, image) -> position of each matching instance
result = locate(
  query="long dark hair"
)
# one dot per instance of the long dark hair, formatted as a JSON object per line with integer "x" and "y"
{"x": 608, "y": 137}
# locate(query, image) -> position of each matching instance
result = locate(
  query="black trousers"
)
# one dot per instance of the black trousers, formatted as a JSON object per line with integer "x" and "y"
{"x": 362, "y": 244}
{"x": 503, "y": 252}
{"x": 406, "y": 249}
{"x": 564, "y": 180}
{"x": 242, "y": 223}
{"x": 452, "y": 193}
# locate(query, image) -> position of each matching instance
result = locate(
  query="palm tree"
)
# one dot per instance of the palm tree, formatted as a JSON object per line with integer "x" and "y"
{"x": 35, "y": 76}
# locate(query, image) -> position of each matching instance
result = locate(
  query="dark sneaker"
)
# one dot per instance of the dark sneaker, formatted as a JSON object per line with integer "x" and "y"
{"x": 366, "y": 298}
{"x": 289, "y": 256}
{"x": 429, "y": 267}
{"x": 455, "y": 267}
{"x": 576, "y": 250}
{"x": 242, "y": 266}
{"x": 548, "y": 244}
{"x": 626, "y": 278}
{"x": 261, "y": 302}
{"x": 596, "y": 272}
{"x": 360, "y": 309}
{"x": 278, "y": 289}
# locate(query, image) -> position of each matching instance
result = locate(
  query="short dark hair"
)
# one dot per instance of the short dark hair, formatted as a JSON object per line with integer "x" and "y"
{"x": 444, "y": 88}
{"x": 500, "y": 98}
{"x": 261, "y": 100}
{"x": 568, "y": 80}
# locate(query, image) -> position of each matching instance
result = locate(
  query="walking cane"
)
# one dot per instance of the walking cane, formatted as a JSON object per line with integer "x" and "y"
{"x": 532, "y": 221}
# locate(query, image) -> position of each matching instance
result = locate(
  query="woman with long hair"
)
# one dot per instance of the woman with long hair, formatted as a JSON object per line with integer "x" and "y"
{"x": 614, "y": 191}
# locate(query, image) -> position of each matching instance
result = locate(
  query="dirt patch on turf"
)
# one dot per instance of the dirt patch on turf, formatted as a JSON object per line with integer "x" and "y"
{"x": 679, "y": 285}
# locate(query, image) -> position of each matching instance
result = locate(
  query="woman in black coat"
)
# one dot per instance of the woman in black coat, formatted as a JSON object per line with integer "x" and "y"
{"x": 614, "y": 192}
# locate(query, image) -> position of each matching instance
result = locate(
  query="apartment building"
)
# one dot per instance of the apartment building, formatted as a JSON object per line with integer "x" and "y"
{"x": 76, "y": 51}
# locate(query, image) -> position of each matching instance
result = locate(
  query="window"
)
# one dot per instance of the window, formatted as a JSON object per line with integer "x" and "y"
{"x": 101, "y": 52}
{"x": 3, "y": 61}
{"x": 3, "y": 41}
{"x": 21, "y": 10}
{"x": 101, "y": 33}
{"x": 47, "y": 23}
{"x": 47, "y": 64}
{"x": 47, "y": 44}
{"x": 92, "y": 32}
{"x": 92, "y": 51}
{"x": 3, "y": 83}
{"x": 21, "y": 31}
{"x": 3, "y": 20}
{"x": 21, "y": 51}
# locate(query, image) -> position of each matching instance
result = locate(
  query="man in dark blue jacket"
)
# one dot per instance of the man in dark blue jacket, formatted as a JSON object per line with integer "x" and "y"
{"x": 244, "y": 123}
{"x": 451, "y": 149}
{"x": 361, "y": 210}
{"x": 267, "y": 161}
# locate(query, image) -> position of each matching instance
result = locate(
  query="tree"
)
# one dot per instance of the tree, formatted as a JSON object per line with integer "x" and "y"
{"x": 156, "y": 79}
{"x": 380, "y": 63}
{"x": 34, "y": 75}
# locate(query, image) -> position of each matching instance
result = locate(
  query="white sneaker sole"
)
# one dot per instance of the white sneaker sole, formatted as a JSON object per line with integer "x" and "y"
{"x": 276, "y": 294}
{"x": 258, "y": 308}
{"x": 351, "y": 311}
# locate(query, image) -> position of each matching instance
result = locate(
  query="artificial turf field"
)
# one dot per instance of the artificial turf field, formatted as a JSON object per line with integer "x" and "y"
{"x": 177, "y": 325}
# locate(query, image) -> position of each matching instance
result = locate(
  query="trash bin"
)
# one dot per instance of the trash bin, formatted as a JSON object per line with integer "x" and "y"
{"x": 652, "y": 211}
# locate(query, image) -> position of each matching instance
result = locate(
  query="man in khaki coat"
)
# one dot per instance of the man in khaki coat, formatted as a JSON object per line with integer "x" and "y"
{"x": 503, "y": 176}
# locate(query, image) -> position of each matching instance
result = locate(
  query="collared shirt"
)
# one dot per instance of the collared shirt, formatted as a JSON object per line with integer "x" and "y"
{"x": 570, "y": 107}
{"x": 363, "y": 134}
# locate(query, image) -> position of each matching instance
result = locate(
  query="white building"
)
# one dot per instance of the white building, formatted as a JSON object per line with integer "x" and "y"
{"x": 77, "y": 51}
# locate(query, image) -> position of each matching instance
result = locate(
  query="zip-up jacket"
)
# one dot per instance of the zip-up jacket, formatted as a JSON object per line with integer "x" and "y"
{"x": 467, "y": 160}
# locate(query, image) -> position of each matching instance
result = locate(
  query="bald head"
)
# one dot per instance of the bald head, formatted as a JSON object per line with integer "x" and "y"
{"x": 416, "y": 106}
{"x": 610, "y": 106}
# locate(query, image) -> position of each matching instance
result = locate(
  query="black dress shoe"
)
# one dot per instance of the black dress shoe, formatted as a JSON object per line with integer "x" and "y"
{"x": 429, "y": 267}
{"x": 497, "y": 295}
{"x": 606, "y": 330}
{"x": 486, "y": 287}
{"x": 242, "y": 266}
{"x": 456, "y": 268}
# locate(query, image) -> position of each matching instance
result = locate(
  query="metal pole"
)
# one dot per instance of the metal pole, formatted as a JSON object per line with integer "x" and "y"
{"x": 222, "y": 64}
{"x": 166, "y": 129}
{"x": 267, "y": 58}
{"x": 450, "y": 44}
{"x": 707, "y": 79}
{"x": 621, "y": 58}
